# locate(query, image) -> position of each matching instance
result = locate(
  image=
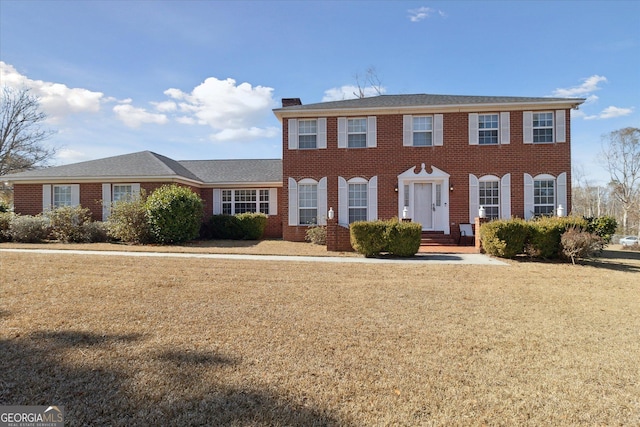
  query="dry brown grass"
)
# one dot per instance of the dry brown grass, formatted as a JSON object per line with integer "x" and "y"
{"x": 120, "y": 341}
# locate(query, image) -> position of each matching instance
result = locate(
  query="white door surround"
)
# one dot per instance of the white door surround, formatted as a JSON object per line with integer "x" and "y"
{"x": 426, "y": 196}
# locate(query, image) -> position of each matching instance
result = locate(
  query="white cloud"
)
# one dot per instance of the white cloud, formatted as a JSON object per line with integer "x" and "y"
{"x": 422, "y": 13}
{"x": 165, "y": 106}
{"x": 349, "y": 92}
{"x": 231, "y": 110}
{"x": 610, "y": 112}
{"x": 590, "y": 84}
{"x": 134, "y": 117}
{"x": 57, "y": 100}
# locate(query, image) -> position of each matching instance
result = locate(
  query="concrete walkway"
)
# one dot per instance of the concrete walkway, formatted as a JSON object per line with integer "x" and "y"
{"x": 420, "y": 258}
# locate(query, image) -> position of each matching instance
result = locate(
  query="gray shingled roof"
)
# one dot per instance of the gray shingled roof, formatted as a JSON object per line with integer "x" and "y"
{"x": 420, "y": 100}
{"x": 146, "y": 164}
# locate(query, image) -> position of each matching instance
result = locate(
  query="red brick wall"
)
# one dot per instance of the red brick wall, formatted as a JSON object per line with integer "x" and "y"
{"x": 456, "y": 157}
{"x": 27, "y": 199}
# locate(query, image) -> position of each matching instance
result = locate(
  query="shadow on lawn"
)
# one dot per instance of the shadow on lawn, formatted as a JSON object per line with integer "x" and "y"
{"x": 35, "y": 373}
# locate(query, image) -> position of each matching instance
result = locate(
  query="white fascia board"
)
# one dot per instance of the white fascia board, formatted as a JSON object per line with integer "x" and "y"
{"x": 100, "y": 179}
{"x": 270, "y": 184}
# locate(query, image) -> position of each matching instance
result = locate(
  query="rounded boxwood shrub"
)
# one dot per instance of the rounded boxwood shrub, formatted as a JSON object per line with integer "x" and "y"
{"x": 174, "y": 214}
{"x": 403, "y": 239}
{"x": 604, "y": 227}
{"x": 252, "y": 225}
{"x": 368, "y": 237}
{"x": 545, "y": 234}
{"x": 504, "y": 238}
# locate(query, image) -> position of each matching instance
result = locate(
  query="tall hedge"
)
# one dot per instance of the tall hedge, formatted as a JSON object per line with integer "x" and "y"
{"x": 174, "y": 214}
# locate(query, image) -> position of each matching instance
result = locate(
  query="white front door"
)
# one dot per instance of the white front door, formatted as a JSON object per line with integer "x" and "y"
{"x": 423, "y": 205}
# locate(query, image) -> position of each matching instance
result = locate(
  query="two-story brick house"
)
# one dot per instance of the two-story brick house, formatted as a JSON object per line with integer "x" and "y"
{"x": 433, "y": 158}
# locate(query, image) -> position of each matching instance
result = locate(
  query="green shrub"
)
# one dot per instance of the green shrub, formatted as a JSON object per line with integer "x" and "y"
{"x": 224, "y": 227}
{"x": 67, "y": 223}
{"x": 4, "y": 207}
{"x": 28, "y": 229}
{"x": 252, "y": 225}
{"x": 316, "y": 235}
{"x": 174, "y": 214}
{"x": 545, "y": 234}
{"x": 368, "y": 237}
{"x": 95, "y": 231}
{"x": 5, "y": 222}
{"x": 580, "y": 244}
{"x": 403, "y": 238}
{"x": 128, "y": 221}
{"x": 504, "y": 238}
{"x": 604, "y": 226}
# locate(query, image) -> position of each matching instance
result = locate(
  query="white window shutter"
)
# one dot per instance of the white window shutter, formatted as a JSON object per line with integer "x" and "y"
{"x": 321, "y": 138}
{"x": 528, "y": 196}
{"x": 322, "y": 201}
{"x": 372, "y": 134}
{"x": 106, "y": 201}
{"x": 343, "y": 201}
{"x": 407, "y": 131}
{"x": 505, "y": 128}
{"x": 561, "y": 196}
{"x": 75, "y": 194}
{"x": 527, "y": 127}
{"x": 217, "y": 201}
{"x": 505, "y": 197}
{"x": 473, "y": 197}
{"x": 293, "y": 134}
{"x": 372, "y": 199}
{"x": 46, "y": 198}
{"x": 561, "y": 127}
{"x": 273, "y": 201}
{"x": 135, "y": 189}
{"x": 438, "y": 126}
{"x": 473, "y": 128}
{"x": 293, "y": 202}
{"x": 342, "y": 132}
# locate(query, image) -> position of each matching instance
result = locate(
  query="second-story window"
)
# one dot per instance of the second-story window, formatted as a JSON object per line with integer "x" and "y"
{"x": 543, "y": 127}
{"x": 422, "y": 131}
{"x": 487, "y": 129}
{"x": 307, "y": 133}
{"x": 357, "y": 133}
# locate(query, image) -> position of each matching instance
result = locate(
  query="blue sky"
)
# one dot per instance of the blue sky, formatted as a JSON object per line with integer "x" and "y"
{"x": 198, "y": 79}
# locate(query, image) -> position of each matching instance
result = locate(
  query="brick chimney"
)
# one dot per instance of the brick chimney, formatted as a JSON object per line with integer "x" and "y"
{"x": 290, "y": 102}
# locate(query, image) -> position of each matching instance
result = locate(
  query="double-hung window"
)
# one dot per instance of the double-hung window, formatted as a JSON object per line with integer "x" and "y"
{"x": 61, "y": 195}
{"x": 543, "y": 127}
{"x": 487, "y": 129}
{"x": 489, "y": 198}
{"x": 544, "y": 200}
{"x": 245, "y": 200}
{"x": 357, "y": 202}
{"x": 122, "y": 192}
{"x": 308, "y": 204}
{"x": 307, "y": 133}
{"x": 422, "y": 131}
{"x": 357, "y": 133}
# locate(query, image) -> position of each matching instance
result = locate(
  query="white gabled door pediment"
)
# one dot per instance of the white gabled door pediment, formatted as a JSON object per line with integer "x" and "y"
{"x": 423, "y": 174}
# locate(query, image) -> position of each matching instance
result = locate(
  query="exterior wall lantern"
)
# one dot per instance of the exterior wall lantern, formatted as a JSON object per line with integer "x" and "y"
{"x": 481, "y": 212}
{"x": 331, "y": 213}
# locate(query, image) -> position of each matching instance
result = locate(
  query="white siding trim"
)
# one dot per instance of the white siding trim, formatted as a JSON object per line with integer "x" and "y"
{"x": 273, "y": 201}
{"x": 342, "y": 132}
{"x": 561, "y": 192}
{"x": 372, "y": 199}
{"x": 561, "y": 128}
{"x": 322, "y": 202}
{"x": 407, "y": 130}
{"x": 505, "y": 128}
{"x": 106, "y": 201}
{"x": 505, "y": 196}
{"x": 473, "y": 128}
{"x": 528, "y": 196}
{"x": 372, "y": 138}
{"x": 293, "y": 202}
{"x": 527, "y": 127}
{"x": 473, "y": 197}
{"x": 438, "y": 135}
{"x": 343, "y": 202}
{"x": 217, "y": 201}
{"x": 46, "y": 197}
{"x": 293, "y": 134}
{"x": 321, "y": 136}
